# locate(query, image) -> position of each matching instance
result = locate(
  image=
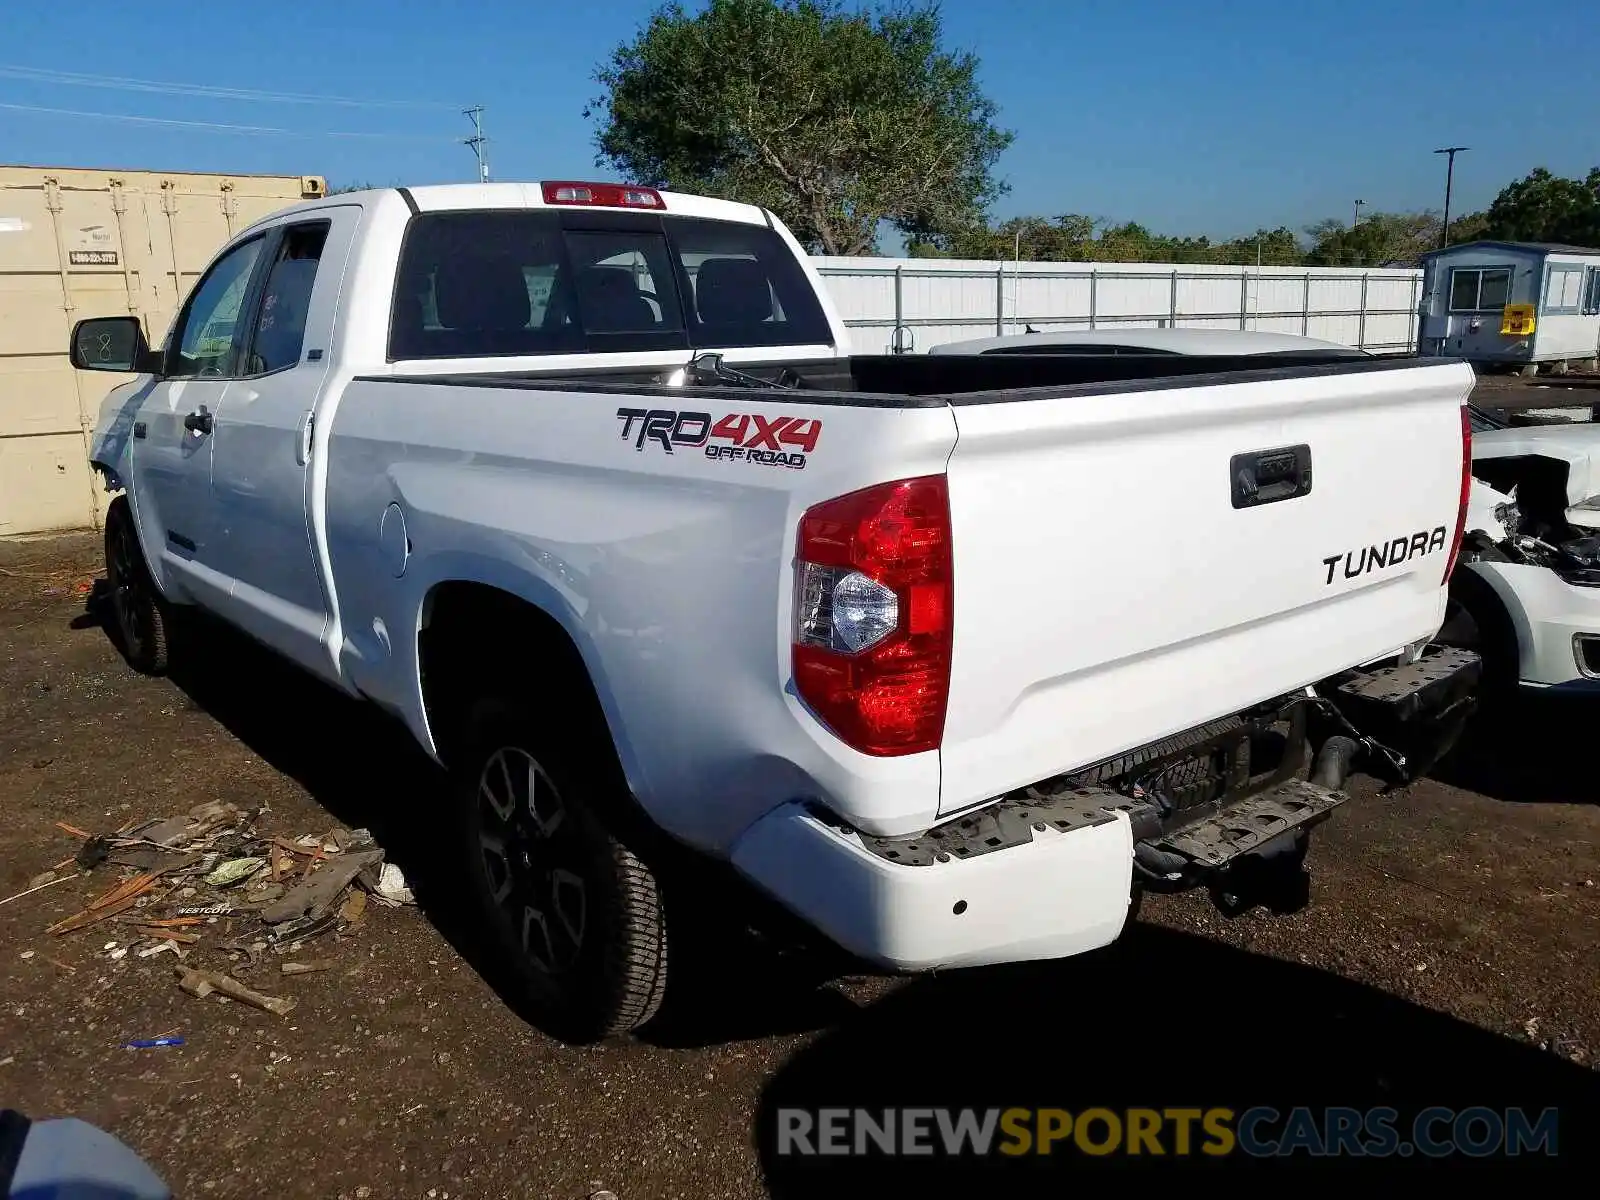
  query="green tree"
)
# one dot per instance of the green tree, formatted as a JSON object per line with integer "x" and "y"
{"x": 1542, "y": 207}
{"x": 1380, "y": 240}
{"x": 1077, "y": 238}
{"x": 838, "y": 121}
{"x": 1270, "y": 247}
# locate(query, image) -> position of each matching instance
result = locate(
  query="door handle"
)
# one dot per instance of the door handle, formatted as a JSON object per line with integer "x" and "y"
{"x": 199, "y": 421}
{"x": 302, "y": 452}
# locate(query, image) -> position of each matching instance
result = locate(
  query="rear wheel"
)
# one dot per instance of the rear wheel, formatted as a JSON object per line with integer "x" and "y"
{"x": 139, "y": 616}
{"x": 572, "y": 912}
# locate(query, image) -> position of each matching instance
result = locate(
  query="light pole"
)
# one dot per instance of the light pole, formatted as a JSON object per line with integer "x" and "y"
{"x": 1357, "y": 220}
{"x": 1449, "y": 179}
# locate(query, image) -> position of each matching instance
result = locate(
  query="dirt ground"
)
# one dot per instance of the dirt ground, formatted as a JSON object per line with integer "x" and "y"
{"x": 1450, "y": 956}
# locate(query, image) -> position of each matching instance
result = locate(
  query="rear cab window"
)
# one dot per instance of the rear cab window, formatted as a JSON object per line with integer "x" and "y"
{"x": 493, "y": 284}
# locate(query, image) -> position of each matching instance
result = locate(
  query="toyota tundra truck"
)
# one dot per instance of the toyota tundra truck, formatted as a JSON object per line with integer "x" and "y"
{"x": 951, "y": 658}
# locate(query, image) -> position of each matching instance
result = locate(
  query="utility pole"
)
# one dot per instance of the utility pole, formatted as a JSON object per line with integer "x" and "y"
{"x": 1357, "y": 221}
{"x": 1449, "y": 179}
{"x": 477, "y": 142}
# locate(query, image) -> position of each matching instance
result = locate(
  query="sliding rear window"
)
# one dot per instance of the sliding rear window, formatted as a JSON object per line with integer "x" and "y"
{"x": 487, "y": 284}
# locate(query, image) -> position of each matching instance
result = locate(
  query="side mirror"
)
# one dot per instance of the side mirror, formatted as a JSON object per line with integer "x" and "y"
{"x": 112, "y": 344}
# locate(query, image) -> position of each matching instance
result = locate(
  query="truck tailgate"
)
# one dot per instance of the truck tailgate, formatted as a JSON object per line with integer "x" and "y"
{"x": 1117, "y": 578}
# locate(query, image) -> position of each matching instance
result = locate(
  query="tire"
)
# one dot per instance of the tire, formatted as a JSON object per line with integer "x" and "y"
{"x": 139, "y": 619}
{"x": 572, "y": 913}
{"x": 1476, "y": 619}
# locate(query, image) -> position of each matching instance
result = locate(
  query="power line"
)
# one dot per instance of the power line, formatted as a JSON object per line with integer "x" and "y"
{"x": 123, "y": 83}
{"x": 219, "y": 126}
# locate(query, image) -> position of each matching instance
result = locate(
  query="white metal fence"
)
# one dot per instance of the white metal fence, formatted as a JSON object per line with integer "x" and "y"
{"x": 913, "y": 303}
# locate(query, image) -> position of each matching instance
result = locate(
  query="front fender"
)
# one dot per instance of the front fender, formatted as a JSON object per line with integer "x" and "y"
{"x": 111, "y": 449}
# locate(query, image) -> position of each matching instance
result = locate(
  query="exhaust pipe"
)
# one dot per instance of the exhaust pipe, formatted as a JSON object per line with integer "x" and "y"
{"x": 1334, "y": 762}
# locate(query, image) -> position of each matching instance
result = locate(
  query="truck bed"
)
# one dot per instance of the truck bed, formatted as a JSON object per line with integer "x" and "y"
{"x": 924, "y": 381}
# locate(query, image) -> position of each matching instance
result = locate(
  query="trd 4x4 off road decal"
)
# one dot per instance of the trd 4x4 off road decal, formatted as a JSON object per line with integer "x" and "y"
{"x": 746, "y": 437}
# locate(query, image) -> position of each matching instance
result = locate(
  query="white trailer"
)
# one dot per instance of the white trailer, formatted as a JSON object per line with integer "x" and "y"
{"x": 1512, "y": 303}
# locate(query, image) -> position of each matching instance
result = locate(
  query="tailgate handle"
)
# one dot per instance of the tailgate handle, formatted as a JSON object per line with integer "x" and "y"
{"x": 1268, "y": 476}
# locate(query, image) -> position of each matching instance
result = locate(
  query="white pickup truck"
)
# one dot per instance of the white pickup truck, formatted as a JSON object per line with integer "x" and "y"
{"x": 952, "y": 657}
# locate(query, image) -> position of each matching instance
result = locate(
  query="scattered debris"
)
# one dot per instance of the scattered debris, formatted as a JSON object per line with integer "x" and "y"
{"x": 152, "y": 1043}
{"x": 118, "y": 899}
{"x": 179, "y": 876}
{"x": 202, "y": 983}
{"x": 319, "y": 891}
{"x": 26, "y": 955}
{"x": 391, "y": 886}
{"x": 40, "y": 888}
{"x": 171, "y": 935}
{"x": 235, "y": 871}
{"x": 93, "y": 852}
{"x": 307, "y": 967}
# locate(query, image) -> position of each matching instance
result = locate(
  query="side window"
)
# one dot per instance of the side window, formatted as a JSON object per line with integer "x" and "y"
{"x": 1591, "y": 291}
{"x": 278, "y": 339}
{"x": 203, "y": 342}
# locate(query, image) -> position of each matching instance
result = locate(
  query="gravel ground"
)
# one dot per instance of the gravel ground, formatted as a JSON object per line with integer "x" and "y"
{"x": 1450, "y": 956}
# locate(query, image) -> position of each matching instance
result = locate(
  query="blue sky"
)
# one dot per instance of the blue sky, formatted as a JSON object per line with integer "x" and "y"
{"x": 1189, "y": 117}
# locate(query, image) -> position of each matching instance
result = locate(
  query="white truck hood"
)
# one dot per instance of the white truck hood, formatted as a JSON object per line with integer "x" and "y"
{"x": 1577, "y": 445}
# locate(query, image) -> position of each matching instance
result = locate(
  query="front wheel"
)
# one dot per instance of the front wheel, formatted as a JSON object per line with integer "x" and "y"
{"x": 139, "y": 616}
{"x": 573, "y": 913}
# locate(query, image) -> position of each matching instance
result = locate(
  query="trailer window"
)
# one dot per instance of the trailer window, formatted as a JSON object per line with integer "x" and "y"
{"x": 1563, "y": 285}
{"x": 1479, "y": 289}
{"x": 1591, "y": 291}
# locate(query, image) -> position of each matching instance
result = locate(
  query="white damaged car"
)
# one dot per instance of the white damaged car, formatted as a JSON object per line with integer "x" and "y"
{"x": 1526, "y": 592}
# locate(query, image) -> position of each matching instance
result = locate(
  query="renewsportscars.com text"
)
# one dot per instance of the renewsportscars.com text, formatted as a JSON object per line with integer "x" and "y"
{"x": 1151, "y": 1132}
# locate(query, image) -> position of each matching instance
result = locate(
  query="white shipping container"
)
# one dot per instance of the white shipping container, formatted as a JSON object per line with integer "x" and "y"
{"x": 78, "y": 243}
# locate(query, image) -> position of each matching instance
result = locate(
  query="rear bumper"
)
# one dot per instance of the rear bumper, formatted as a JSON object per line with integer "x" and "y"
{"x": 1049, "y": 870}
{"x": 1053, "y": 895}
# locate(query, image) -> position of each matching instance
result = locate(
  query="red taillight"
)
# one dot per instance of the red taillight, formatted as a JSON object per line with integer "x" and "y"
{"x": 1466, "y": 491}
{"x": 872, "y": 628}
{"x": 606, "y": 195}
